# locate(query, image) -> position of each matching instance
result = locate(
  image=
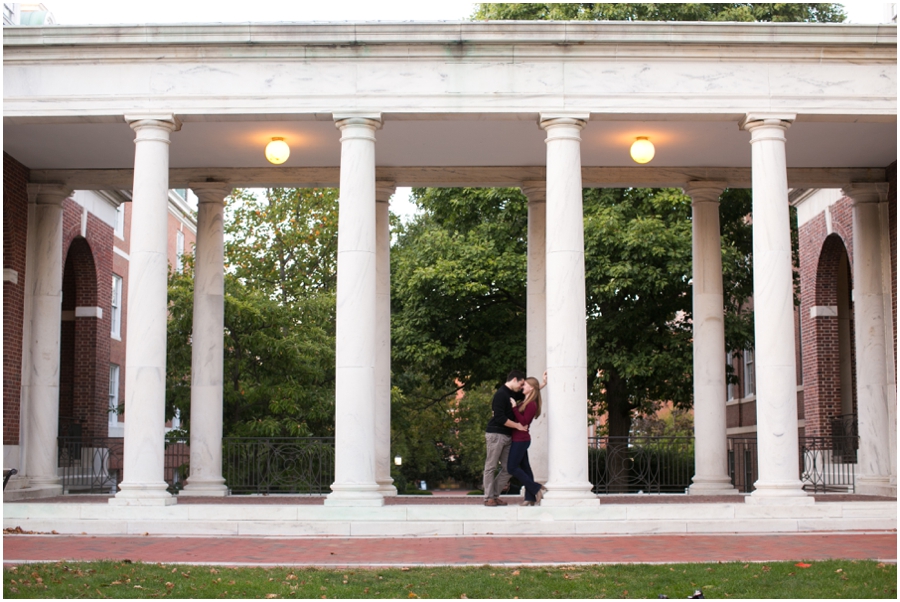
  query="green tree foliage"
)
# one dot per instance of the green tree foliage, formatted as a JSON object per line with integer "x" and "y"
{"x": 279, "y": 316}
{"x": 691, "y": 11}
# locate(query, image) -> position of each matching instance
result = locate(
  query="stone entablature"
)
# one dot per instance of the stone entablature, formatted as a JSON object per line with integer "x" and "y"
{"x": 451, "y": 68}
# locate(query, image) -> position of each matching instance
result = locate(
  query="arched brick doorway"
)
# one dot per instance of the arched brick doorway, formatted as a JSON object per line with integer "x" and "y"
{"x": 829, "y": 376}
{"x": 83, "y": 377}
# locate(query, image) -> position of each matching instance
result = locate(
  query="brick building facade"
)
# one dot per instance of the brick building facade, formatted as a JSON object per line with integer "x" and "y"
{"x": 93, "y": 330}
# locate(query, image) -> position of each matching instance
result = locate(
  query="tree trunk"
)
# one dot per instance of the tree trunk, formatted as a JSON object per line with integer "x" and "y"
{"x": 618, "y": 465}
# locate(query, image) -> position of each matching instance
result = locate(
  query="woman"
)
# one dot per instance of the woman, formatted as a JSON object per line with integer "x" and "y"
{"x": 517, "y": 464}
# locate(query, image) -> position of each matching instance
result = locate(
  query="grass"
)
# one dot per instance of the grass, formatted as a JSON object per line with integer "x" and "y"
{"x": 827, "y": 579}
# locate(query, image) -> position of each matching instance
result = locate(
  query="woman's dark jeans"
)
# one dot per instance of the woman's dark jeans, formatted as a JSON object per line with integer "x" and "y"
{"x": 519, "y": 467}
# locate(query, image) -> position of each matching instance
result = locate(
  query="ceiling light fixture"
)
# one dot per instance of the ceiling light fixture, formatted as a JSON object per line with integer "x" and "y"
{"x": 642, "y": 150}
{"x": 277, "y": 151}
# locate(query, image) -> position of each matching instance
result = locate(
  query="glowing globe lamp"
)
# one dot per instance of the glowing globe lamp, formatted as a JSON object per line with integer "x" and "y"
{"x": 277, "y": 151}
{"x": 642, "y": 150}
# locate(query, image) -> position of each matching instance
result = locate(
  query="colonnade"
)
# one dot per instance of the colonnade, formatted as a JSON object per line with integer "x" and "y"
{"x": 555, "y": 322}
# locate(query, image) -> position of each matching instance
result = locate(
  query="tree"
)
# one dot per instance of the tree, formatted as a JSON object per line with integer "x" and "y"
{"x": 697, "y": 11}
{"x": 280, "y": 254}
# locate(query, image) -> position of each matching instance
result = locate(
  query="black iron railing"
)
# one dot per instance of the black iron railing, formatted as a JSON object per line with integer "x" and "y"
{"x": 278, "y": 464}
{"x": 825, "y": 464}
{"x": 90, "y": 464}
{"x": 250, "y": 464}
{"x": 645, "y": 464}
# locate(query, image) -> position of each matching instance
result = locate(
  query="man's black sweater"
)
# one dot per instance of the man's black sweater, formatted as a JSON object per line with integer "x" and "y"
{"x": 501, "y": 406}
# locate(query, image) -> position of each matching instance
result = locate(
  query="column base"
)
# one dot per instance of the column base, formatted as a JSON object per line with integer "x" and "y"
{"x": 213, "y": 488}
{"x": 354, "y": 495}
{"x": 867, "y": 485}
{"x": 712, "y": 486}
{"x": 790, "y": 493}
{"x": 386, "y": 488}
{"x": 143, "y": 494}
{"x": 27, "y": 490}
{"x": 571, "y": 494}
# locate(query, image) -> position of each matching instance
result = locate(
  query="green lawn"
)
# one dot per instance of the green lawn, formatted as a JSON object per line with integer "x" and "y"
{"x": 829, "y": 579}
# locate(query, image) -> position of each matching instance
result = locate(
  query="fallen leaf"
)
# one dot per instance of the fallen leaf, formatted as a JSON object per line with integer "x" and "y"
{"x": 405, "y": 568}
{"x": 516, "y": 572}
{"x": 839, "y": 571}
{"x": 169, "y": 585}
{"x": 412, "y": 595}
{"x": 138, "y": 587}
{"x": 803, "y": 565}
{"x": 271, "y": 595}
{"x": 464, "y": 597}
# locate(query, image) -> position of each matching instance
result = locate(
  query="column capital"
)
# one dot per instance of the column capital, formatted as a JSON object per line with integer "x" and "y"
{"x": 370, "y": 120}
{"x": 753, "y": 120}
{"x": 211, "y": 192}
{"x": 549, "y": 120}
{"x": 384, "y": 189}
{"x": 48, "y": 194}
{"x": 866, "y": 192}
{"x": 535, "y": 190}
{"x": 704, "y": 191}
{"x": 159, "y": 120}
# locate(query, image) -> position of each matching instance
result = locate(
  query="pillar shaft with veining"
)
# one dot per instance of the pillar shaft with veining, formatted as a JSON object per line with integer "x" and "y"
{"x": 46, "y": 282}
{"x": 710, "y": 445}
{"x": 536, "y": 316}
{"x": 567, "y": 482}
{"x": 383, "y": 192}
{"x": 145, "y": 372}
{"x": 354, "y": 467}
{"x": 773, "y": 302}
{"x": 208, "y": 343}
{"x": 874, "y": 417}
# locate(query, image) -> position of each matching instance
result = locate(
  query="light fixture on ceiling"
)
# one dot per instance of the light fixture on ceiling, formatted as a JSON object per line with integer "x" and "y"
{"x": 277, "y": 151}
{"x": 642, "y": 150}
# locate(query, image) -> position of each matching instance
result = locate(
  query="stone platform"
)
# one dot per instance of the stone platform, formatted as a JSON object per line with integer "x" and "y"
{"x": 422, "y": 516}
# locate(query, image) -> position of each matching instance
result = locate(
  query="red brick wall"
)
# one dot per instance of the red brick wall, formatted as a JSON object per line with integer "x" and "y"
{"x": 820, "y": 255}
{"x": 15, "y": 229}
{"x": 84, "y": 356}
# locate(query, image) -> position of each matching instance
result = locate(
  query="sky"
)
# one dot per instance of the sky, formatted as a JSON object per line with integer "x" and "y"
{"x": 96, "y": 12}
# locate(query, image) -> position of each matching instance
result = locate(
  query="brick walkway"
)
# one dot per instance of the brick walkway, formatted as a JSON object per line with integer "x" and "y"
{"x": 232, "y": 551}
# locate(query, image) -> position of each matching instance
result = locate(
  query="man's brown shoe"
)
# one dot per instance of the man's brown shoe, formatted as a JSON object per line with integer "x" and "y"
{"x": 500, "y": 502}
{"x": 491, "y": 502}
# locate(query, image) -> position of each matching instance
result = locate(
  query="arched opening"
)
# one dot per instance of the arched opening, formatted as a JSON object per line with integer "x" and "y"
{"x": 82, "y": 412}
{"x": 835, "y": 350}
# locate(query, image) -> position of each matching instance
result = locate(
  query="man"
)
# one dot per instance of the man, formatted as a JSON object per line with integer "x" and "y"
{"x": 498, "y": 437}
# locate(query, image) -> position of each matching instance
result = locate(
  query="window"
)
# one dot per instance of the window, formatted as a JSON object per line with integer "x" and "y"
{"x": 729, "y": 388}
{"x": 120, "y": 221}
{"x": 113, "y": 394}
{"x": 179, "y": 250}
{"x": 117, "y": 307}
{"x": 749, "y": 373}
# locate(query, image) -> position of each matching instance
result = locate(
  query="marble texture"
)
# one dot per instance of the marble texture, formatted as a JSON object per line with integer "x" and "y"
{"x": 536, "y": 320}
{"x": 42, "y": 403}
{"x": 567, "y": 482}
{"x": 208, "y": 343}
{"x": 355, "y": 397}
{"x": 710, "y": 444}
{"x": 773, "y": 302}
{"x": 145, "y": 371}
{"x": 874, "y": 416}
{"x": 383, "y": 457}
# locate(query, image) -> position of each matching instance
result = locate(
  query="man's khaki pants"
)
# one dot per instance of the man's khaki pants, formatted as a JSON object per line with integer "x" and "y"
{"x": 497, "y": 451}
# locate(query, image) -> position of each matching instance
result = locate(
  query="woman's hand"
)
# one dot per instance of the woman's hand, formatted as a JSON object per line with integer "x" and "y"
{"x": 521, "y": 427}
{"x": 544, "y": 384}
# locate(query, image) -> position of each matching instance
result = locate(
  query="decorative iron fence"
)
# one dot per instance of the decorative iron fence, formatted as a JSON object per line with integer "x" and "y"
{"x": 825, "y": 464}
{"x": 90, "y": 464}
{"x": 250, "y": 464}
{"x": 278, "y": 464}
{"x": 636, "y": 464}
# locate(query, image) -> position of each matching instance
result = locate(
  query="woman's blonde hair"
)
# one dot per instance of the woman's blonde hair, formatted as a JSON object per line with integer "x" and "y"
{"x": 534, "y": 396}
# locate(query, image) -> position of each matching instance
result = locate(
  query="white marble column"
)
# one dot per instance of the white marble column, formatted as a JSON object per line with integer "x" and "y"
{"x": 208, "y": 343}
{"x": 354, "y": 422}
{"x": 42, "y": 422}
{"x": 536, "y": 315}
{"x": 568, "y": 483}
{"x": 773, "y": 302}
{"x": 875, "y": 420}
{"x": 383, "y": 193}
{"x": 145, "y": 372}
{"x": 710, "y": 445}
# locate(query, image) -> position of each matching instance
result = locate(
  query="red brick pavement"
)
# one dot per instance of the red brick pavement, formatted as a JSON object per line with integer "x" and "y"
{"x": 334, "y": 551}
